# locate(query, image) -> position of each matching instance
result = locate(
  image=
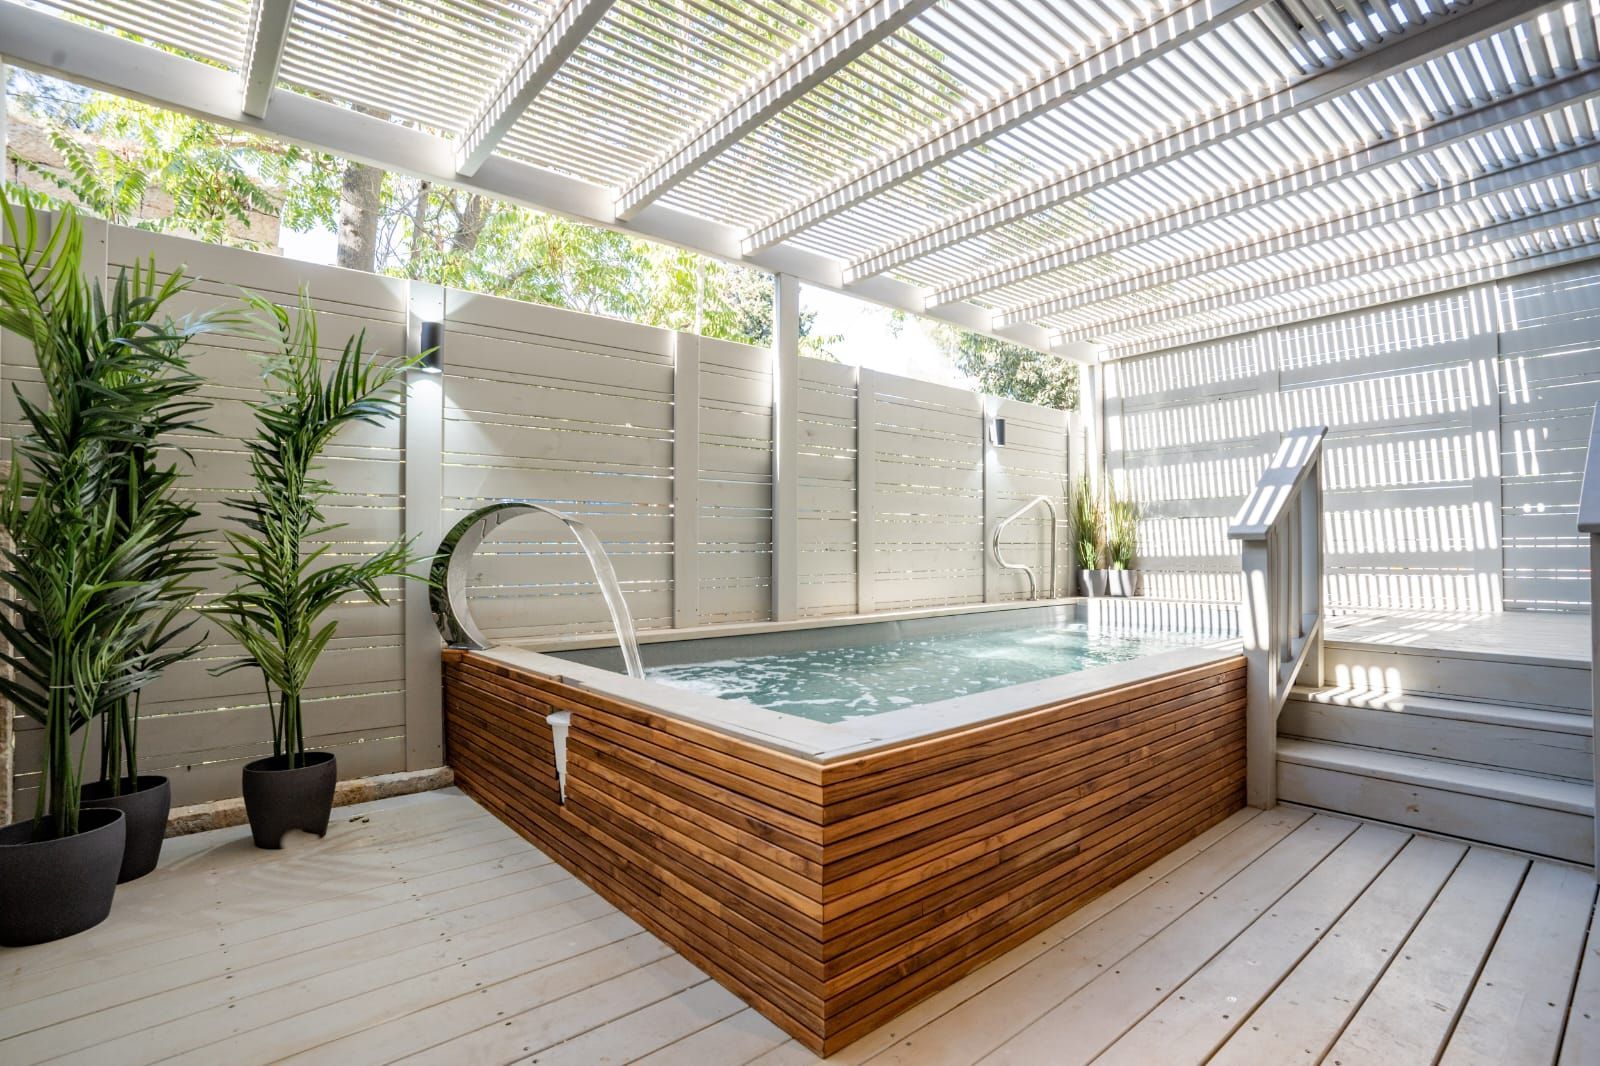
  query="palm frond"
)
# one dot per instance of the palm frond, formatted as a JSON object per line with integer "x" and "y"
{"x": 284, "y": 581}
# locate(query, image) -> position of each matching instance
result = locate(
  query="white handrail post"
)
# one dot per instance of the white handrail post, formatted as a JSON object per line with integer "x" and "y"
{"x": 1280, "y": 616}
{"x": 1261, "y": 675}
{"x": 1594, "y": 674}
{"x": 1589, "y": 524}
{"x": 1311, "y": 609}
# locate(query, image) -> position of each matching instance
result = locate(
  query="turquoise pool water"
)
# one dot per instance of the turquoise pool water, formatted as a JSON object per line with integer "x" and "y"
{"x": 835, "y": 684}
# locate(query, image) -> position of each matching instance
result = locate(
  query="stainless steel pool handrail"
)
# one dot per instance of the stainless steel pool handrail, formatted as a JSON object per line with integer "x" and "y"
{"x": 999, "y": 556}
{"x": 448, "y": 597}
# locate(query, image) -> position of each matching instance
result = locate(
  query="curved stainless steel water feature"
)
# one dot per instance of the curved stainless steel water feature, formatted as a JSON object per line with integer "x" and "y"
{"x": 449, "y": 595}
{"x": 1000, "y": 559}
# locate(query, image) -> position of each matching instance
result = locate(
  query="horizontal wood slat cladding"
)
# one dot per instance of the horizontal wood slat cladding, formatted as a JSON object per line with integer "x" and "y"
{"x": 833, "y": 896}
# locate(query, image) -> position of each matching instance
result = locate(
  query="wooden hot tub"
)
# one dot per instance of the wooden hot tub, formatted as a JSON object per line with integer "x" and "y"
{"x": 832, "y": 888}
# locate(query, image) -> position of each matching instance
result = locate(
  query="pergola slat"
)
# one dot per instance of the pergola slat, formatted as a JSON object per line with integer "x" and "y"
{"x": 1418, "y": 46}
{"x": 860, "y": 28}
{"x": 1310, "y": 233}
{"x": 1127, "y": 173}
{"x": 998, "y": 117}
{"x": 1401, "y": 253}
{"x": 1420, "y": 142}
{"x": 493, "y": 118}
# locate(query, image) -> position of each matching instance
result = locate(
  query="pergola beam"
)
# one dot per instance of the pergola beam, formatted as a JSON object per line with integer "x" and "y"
{"x": 557, "y": 39}
{"x": 1540, "y": 221}
{"x": 1313, "y": 231}
{"x": 1134, "y": 49}
{"x": 40, "y": 41}
{"x": 844, "y": 39}
{"x": 263, "y": 52}
{"x": 1420, "y": 142}
{"x": 1445, "y": 34}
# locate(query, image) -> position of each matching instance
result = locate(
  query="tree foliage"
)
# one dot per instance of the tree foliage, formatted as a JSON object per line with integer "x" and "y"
{"x": 1010, "y": 370}
{"x": 217, "y": 178}
{"x": 116, "y": 154}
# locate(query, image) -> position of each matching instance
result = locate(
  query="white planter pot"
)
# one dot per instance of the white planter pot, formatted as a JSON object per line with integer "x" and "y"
{"x": 1121, "y": 582}
{"x": 1093, "y": 582}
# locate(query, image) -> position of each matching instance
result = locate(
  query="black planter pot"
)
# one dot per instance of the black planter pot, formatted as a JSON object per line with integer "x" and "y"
{"x": 146, "y": 802}
{"x": 55, "y": 888}
{"x": 279, "y": 799}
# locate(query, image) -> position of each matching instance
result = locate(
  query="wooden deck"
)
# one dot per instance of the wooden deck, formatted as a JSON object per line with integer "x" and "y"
{"x": 1560, "y": 636}
{"x": 423, "y": 929}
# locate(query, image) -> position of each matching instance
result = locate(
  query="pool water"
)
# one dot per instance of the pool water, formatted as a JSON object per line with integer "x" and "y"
{"x": 835, "y": 684}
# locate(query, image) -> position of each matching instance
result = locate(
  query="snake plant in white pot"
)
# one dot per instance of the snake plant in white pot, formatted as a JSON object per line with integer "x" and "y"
{"x": 1088, "y": 536}
{"x": 1122, "y": 545}
{"x": 286, "y": 580}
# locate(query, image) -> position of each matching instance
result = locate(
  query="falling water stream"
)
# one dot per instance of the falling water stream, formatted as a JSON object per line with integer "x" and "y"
{"x": 449, "y": 594}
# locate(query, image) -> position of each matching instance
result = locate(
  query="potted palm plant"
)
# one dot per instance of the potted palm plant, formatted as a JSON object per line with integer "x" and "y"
{"x": 1122, "y": 544}
{"x": 1088, "y": 536}
{"x": 285, "y": 582}
{"x": 82, "y": 609}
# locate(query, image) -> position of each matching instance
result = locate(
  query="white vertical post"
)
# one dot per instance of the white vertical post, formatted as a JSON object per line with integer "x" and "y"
{"x": 785, "y": 449}
{"x": 866, "y": 490}
{"x": 1261, "y": 675}
{"x": 7, "y": 732}
{"x": 991, "y": 500}
{"x": 1279, "y": 528}
{"x": 1095, "y": 385}
{"x": 1594, "y": 678}
{"x": 686, "y": 481}
{"x": 1311, "y": 562}
{"x": 1589, "y": 525}
{"x": 424, "y": 522}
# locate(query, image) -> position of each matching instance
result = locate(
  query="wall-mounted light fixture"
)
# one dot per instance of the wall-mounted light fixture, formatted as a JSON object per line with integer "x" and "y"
{"x": 997, "y": 432}
{"x": 432, "y": 348}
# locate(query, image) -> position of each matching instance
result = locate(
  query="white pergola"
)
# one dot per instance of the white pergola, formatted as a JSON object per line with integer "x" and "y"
{"x": 1095, "y": 177}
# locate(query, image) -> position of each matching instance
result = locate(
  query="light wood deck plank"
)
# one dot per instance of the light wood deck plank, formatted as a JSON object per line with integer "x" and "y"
{"x": 1092, "y": 1018}
{"x": 739, "y": 1038}
{"x": 236, "y": 884}
{"x": 979, "y": 1024}
{"x": 1409, "y": 1014}
{"x": 419, "y": 931}
{"x": 969, "y": 987}
{"x": 506, "y": 1003}
{"x": 633, "y": 1036}
{"x": 1195, "y": 1017}
{"x": 451, "y": 900}
{"x": 1519, "y": 1005}
{"x": 532, "y": 1032}
{"x": 1309, "y": 1009}
{"x": 1580, "y": 1043}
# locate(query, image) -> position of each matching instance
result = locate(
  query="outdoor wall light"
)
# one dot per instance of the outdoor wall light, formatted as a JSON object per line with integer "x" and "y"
{"x": 997, "y": 432}
{"x": 433, "y": 346}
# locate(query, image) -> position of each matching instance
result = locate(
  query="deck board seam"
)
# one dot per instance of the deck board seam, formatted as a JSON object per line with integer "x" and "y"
{"x": 1399, "y": 948}
{"x": 1183, "y": 979}
{"x": 1483, "y": 961}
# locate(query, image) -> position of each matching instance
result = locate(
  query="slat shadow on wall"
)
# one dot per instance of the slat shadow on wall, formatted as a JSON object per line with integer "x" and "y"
{"x": 1456, "y": 433}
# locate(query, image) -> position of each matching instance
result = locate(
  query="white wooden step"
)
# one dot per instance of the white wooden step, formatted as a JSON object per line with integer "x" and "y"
{"x": 1522, "y": 739}
{"x": 1542, "y": 815}
{"x": 1486, "y": 675}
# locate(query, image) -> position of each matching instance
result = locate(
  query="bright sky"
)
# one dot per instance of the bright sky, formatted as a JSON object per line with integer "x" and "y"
{"x": 870, "y": 341}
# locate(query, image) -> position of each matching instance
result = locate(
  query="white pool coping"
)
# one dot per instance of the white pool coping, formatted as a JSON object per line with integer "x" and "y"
{"x": 826, "y": 742}
{"x": 667, "y": 635}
